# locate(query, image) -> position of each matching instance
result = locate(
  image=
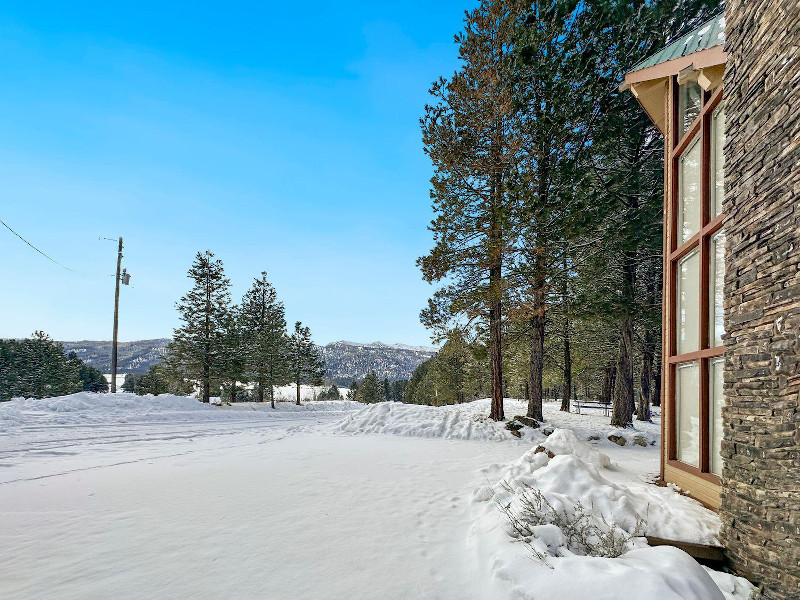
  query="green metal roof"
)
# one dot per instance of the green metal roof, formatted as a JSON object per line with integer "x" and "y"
{"x": 709, "y": 34}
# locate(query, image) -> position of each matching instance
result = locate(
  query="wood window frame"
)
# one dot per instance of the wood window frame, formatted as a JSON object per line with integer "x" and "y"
{"x": 675, "y": 145}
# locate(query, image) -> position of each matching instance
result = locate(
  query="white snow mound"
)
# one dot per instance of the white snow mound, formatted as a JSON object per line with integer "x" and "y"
{"x": 460, "y": 422}
{"x": 581, "y": 480}
{"x": 564, "y": 441}
{"x": 569, "y": 478}
{"x": 87, "y": 408}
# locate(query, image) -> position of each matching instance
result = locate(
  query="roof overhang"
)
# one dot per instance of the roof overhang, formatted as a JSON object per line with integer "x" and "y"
{"x": 649, "y": 85}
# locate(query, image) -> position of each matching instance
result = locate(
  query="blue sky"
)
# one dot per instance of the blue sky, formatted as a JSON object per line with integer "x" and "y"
{"x": 282, "y": 136}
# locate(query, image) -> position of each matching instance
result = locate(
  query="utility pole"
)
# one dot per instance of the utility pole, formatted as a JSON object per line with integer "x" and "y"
{"x": 116, "y": 324}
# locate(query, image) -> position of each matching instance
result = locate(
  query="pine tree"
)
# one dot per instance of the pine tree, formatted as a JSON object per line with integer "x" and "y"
{"x": 263, "y": 322}
{"x": 627, "y": 165}
{"x": 197, "y": 343}
{"x": 469, "y": 135}
{"x": 370, "y": 392}
{"x": 92, "y": 380}
{"x": 232, "y": 352}
{"x": 37, "y": 368}
{"x": 306, "y": 363}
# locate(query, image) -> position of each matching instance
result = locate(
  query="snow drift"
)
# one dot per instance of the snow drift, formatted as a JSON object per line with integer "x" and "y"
{"x": 570, "y": 479}
{"x": 87, "y": 408}
{"x": 460, "y": 422}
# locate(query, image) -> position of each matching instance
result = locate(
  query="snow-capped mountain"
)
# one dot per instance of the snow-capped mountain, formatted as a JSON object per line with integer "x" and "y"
{"x": 132, "y": 357}
{"x": 345, "y": 361}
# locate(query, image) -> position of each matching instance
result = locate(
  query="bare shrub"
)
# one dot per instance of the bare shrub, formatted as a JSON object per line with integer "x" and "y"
{"x": 586, "y": 532}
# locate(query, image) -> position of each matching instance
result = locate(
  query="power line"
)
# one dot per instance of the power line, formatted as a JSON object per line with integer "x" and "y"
{"x": 35, "y": 248}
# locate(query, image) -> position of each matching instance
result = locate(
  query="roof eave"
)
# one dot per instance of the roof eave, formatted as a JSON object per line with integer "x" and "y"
{"x": 702, "y": 59}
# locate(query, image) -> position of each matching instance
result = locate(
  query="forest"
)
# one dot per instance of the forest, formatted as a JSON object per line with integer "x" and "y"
{"x": 547, "y": 192}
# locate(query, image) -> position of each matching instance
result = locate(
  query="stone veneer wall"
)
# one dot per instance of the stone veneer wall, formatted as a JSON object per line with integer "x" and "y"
{"x": 761, "y": 477}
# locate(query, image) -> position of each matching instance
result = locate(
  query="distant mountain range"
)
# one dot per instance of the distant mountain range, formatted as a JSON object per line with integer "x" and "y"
{"x": 345, "y": 360}
{"x": 132, "y": 357}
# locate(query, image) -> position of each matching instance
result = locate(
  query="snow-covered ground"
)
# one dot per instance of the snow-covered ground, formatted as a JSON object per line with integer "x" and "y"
{"x": 122, "y": 496}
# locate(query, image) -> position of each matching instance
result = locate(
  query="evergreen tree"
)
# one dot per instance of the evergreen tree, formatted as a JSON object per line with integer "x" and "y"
{"x": 92, "y": 380}
{"x": 398, "y": 389}
{"x": 352, "y": 391}
{"x": 232, "y": 352}
{"x": 306, "y": 363}
{"x": 37, "y": 368}
{"x": 627, "y": 166}
{"x": 332, "y": 393}
{"x": 160, "y": 378}
{"x": 197, "y": 343}
{"x": 129, "y": 383}
{"x": 370, "y": 391}
{"x": 266, "y": 355}
{"x": 387, "y": 390}
{"x": 470, "y": 136}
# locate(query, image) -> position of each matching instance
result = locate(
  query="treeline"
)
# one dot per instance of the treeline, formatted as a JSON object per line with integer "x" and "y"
{"x": 372, "y": 390}
{"x": 547, "y": 193}
{"x": 39, "y": 368}
{"x": 228, "y": 347}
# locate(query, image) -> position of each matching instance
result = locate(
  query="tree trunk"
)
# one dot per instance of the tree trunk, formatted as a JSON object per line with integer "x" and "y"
{"x": 537, "y": 344}
{"x": 496, "y": 300}
{"x": 566, "y": 397}
{"x": 622, "y": 413}
{"x": 645, "y": 398}
{"x": 298, "y": 392}
{"x": 657, "y": 385}
{"x": 609, "y": 375}
{"x": 261, "y": 391}
{"x": 272, "y": 396}
{"x": 496, "y": 350}
{"x": 536, "y": 367}
{"x": 206, "y": 384}
{"x": 233, "y": 392}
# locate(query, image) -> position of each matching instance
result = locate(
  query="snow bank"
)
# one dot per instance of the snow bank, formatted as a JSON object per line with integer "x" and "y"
{"x": 576, "y": 475}
{"x": 570, "y": 482}
{"x": 470, "y": 421}
{"x": 86, "y": 408}
{"x": 564, "y": 441}
{"x": 460, "y": 422}
{"x": 662, "y": 573}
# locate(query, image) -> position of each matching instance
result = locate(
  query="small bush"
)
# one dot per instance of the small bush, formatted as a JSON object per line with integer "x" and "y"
{"x": 584, "y": 531}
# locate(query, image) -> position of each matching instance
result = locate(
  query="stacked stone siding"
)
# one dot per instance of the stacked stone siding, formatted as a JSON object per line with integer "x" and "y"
{"x": 761, "y": 477}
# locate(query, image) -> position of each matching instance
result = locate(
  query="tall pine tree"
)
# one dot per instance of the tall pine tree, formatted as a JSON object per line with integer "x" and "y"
{"x": 198, "y": 343}
{"x": 469, "y": 135}
{"x": 263, "y": 322}
{"x": 306, "y": 363}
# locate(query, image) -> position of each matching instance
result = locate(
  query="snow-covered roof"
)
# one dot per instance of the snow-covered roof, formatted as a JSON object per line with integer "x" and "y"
{"x": 709, "y": 34}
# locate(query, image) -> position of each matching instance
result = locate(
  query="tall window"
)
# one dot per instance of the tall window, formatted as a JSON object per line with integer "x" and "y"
{"x": 695, "y": 279}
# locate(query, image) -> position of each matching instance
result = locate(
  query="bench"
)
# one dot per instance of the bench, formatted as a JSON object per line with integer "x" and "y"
{"x": 580, "y": 404}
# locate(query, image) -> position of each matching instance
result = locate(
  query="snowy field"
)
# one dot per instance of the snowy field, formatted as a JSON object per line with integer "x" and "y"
{"x": 119, "y": 496}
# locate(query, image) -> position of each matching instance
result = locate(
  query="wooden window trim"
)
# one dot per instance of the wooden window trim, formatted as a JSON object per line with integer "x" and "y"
{"x": 675, "y": 146}
{"x": 703, "y": 354}
{"x": 710, "y": 477}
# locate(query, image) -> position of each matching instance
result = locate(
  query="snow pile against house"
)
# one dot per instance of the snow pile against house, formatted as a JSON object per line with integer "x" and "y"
{"x": 582, "y": 519}
{"x": 576, "y": 474}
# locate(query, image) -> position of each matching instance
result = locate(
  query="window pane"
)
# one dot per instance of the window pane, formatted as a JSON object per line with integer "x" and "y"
{"x": 687, "y": 413}
{"x": 717, "y": 289}
{"x": 689, "y": 192}
{"x": 717, "y": 161}
{"x": 688, "y": 303}
{"x": 716, "y": 400}
{"x": 690, "y": 98}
